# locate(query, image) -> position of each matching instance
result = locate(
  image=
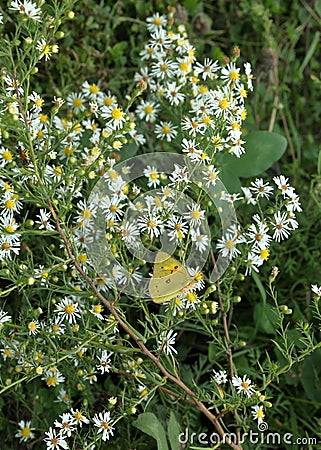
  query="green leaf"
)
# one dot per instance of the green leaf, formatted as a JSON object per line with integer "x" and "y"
{"x": 260, "y": 286}
{"x": 319, "y": 163}
{"x": 309, "y": 53}
{"x": 118, "y": 49}
{"x": 191, "y": 5}
{"x": 310, "y": 376}
{"x": 317, "y": 6}
{"x": 230, "y": 180}
{"x": 265, "y": 318}
{"x": 263, "y": 148}
{"x": 149, "y": 424}
{"x": 173, "y": 432}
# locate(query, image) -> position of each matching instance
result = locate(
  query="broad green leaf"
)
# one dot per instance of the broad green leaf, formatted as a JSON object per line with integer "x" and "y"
{"x": 191, "y": 5}
{"x": 260, "y": 286}
{"x": 173, "y": 432}
{"x": 317, "y": 6}
{"x": 118, "y": 49}
{"x": 149, "y": 424}
{"x": 310, "y": 376}
{"x": 230, "y": 180}
{"x": 265, "y": 318}
{"x": 310, "y": 52}
{"x": 319, "y": 163}
{"x": 263, "y": 148}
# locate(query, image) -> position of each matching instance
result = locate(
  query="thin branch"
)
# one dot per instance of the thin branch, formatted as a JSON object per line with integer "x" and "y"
{"x": 199, "y": 405}
{"x": 226, "y": 332}
{"x": 277, "y": 107}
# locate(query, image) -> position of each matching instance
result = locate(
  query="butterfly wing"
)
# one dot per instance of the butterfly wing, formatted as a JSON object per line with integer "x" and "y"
{"x": 169, "y": 278}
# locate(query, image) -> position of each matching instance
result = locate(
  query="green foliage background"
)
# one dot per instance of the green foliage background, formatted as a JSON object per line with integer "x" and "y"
{"x": 281, "y": 39}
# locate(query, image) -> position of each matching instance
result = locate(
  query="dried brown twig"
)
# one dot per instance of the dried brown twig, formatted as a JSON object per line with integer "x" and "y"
{"x": 177, "y": 381}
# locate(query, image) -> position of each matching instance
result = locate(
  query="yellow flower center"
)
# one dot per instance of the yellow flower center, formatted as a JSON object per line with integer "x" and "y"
{"x": 78, "y": 415}
{"x": 164, "y": 67}
{"x": 43, "y": 118}
{"x": 108, "y": 101}
{"x": 51, "y": 381}
{"x": 82, "y": 258}
{"x": 70, "y": 309}
{"x": 77, "y": 102}
{"x": 184, "y": 66}
{"x": 32, "y": 326}
{"x": 46, "y": 49}
{"x": 144, "y": 393}
{"x": 229, "y": 244}
{"x": 195, "y": 214}
{"x": 203, "y": 89}
{"x": 153, "y": 176}
{"x": 58, "y": 171}
{"x": 25, "y": 432}
{"x": 9, "y": 204}
{"x": 94, "y": 89}
{"x": 148, "y": 109}
{"x": 86, "y": 214}
{"x": 68, "y": 150}
{"x": 7, "y": 155}
{"x": 166, "y": 129}
{"x": 117, "y": 114}
{"x": 98, "y": 308}
{"x": 157, "y": 21}
{"x": 191, "y": 296}
{"x": 245, "y": 385}
{"x": 151, "y": 224}
{"x": 39, "y": 102}
{"x": 224, "y": 104}
{"x": 212, "y": 176}
{"x": 207, "y": 120}
{"x": 234, "y": 76}
{"x": 264, "y": 253}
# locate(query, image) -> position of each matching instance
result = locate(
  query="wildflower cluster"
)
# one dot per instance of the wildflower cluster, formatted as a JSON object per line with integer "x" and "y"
{"x": 214, "y": 96}
{"x": 59, "y": 335}
{"x": 66, "y": 427}
{"x": 245, "y": 389}
{"x": 274, "y": 222}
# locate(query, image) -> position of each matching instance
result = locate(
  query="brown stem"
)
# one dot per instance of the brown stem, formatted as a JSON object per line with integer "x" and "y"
{"x": 224, "y": 320}
{"x": 276, "y": 104}
{"x": 226, "y": 332}
{"x": 199, "y": 405}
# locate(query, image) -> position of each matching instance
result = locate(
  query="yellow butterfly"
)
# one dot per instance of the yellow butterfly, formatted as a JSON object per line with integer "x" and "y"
{"x": 169, "y": 278}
